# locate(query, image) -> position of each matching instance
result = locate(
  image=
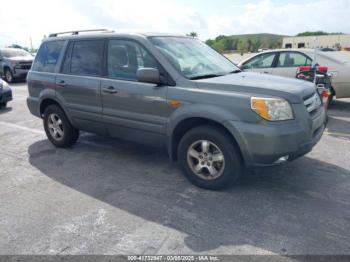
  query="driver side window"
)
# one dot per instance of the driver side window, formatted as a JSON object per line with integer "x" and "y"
{"x": 126, "y": 57}
{"x": 260, "y": 61}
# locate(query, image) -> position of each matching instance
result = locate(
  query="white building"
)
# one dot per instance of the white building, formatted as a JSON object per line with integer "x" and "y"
{"x": 322, "y": 41}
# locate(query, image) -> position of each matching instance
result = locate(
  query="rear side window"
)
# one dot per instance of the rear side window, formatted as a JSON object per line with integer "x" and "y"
{"x": 47, "y": 56}
{"x": 84, "y": 57}
{"x": 291, "y": 59}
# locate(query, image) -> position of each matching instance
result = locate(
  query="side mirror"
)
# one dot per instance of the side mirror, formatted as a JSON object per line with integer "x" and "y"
{"x": 148, "y": 75}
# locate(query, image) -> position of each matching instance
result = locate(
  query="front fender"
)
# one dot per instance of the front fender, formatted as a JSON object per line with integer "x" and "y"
{"x": 207, "y": 112}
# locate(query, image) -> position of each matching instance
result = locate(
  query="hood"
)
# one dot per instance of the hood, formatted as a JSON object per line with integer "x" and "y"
{"x": 21, "y": 58}
{"x": 293, "y": 90}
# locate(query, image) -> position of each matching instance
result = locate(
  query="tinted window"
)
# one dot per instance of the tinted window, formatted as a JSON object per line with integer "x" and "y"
{"x": 290, "y": 59}
{"x": 261, "y": 61}
{"x": 87, "y": 57}
{"x": 47, "y": 56}
{"x": 126, "y": 57}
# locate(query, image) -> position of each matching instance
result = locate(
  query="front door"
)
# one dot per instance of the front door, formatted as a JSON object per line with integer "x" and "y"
{"x": 132, "y": 110}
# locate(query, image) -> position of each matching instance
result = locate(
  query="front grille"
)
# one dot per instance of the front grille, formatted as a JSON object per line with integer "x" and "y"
{"x": 312, "y": 103}
{"x": 25, "y": 66}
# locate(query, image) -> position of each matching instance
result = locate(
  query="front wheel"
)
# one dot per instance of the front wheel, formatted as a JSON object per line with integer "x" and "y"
{"x": 209, "y": 157}
{"x": 8, "y": 75}
{"x": 58, "y": 129}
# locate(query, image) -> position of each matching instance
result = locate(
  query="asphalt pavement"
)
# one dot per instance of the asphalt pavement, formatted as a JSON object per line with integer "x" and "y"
{"x": 107, "y": 196}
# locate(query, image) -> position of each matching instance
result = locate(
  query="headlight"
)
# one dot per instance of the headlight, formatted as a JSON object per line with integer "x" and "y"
{"x": 272, "y": 109}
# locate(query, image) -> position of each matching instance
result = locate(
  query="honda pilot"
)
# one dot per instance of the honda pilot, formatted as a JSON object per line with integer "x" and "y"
{"x": 174, "y": 92}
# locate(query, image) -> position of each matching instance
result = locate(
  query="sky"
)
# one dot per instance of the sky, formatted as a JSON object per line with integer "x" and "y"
{"x": 23, "y": 20}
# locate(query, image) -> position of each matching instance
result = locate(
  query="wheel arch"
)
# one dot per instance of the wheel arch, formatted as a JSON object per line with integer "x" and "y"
{"x": 189, "y": 123}
{"x": 47, "y": 101}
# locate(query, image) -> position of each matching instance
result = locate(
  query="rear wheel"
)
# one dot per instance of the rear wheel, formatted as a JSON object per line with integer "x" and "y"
{"x": 2, "y": 105}
{"x": 209, "y": 157}
{"x": 8, "y": 75}
{"x": 58, "y": 129}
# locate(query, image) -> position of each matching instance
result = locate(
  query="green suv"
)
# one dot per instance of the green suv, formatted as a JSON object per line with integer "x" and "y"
{"x": 174, "y": 92}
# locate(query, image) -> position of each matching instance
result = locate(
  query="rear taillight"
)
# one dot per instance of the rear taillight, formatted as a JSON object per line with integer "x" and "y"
{"x": 304, "y": 68}
{"x": 323, "y": 69}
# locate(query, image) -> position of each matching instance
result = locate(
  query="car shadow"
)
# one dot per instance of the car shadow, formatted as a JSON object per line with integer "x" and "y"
{"x": 294, "y": 208}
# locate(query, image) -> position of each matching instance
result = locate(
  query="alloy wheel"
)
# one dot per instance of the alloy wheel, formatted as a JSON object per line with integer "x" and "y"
{"x": 55, "y": 127}
{"x": 206, "y": 160}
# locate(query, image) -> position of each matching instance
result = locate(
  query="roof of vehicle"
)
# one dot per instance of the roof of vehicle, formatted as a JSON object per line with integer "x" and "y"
{"x": 303, "y": 50}
{"x": 103, "y": 34}
{"x": 339, "y": 57}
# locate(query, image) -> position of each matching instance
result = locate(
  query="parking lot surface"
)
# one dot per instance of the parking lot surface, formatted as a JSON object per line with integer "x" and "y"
{"x": 107, "y": 196}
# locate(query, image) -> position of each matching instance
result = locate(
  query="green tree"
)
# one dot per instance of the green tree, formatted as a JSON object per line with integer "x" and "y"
{"x": 242, "y": 45}
{"x": 316, "y": 33}
{"x": 210, "y": 42}
{"x": 256, "y": 45}
{"x": 219, "y": 46}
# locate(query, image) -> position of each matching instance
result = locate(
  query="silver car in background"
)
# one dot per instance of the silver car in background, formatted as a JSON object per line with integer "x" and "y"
{"x": 285, "y": 62}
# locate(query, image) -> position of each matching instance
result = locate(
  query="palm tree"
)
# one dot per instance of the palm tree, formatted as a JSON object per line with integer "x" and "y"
{"x": 193, "y": 34}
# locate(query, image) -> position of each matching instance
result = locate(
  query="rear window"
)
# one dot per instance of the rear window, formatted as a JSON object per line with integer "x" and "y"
{"x": 47, "y": 56}
{"x": 84, "y": 57}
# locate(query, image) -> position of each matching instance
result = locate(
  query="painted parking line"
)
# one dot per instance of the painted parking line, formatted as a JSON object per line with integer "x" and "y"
{"x": 36, "y": 131}
{"x": 22, "y": 128}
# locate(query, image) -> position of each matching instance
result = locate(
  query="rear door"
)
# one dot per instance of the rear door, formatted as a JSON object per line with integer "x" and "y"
{"x": 131, "y": 109}
{"x": 42, "y": 75}
{"x": 262, "y": 63}
{"x": 288, "y": 63}
{"x": 79, "y": 83}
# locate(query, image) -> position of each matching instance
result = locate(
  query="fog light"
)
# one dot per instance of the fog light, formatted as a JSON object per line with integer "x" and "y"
{"x": 282, "y": 159}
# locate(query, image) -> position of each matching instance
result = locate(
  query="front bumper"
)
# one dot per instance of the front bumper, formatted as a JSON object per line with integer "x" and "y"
{"x": 20, "y": 73}
{"x": 265, "y": 143}
{"x": 5, "y": 95}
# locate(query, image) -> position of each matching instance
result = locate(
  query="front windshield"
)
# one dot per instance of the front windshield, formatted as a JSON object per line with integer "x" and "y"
{"x": 192, "y": 58}
{"x": 8, "y": 53}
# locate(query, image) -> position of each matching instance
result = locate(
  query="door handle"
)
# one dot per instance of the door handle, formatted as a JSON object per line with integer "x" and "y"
{"x": 62, "y": 83}
{"x": 109, "y": 89}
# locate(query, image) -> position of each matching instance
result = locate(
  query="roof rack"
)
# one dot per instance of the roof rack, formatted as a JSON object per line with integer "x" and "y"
{"x": 76, "y": 32}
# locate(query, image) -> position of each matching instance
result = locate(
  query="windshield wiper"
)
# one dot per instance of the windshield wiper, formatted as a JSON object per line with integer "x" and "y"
{"x": 205, "y": 76}
{"x": 235, "y": 71}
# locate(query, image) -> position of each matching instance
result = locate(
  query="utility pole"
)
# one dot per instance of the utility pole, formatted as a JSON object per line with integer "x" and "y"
{"x": 31, "y": 43}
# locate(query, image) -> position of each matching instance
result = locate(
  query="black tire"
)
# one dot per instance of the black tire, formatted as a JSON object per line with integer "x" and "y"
{"x": 8, "y": 75}
{"x": 232, "y": 168}
{"x": 70, "y": 134}
{"x": 3, "y": 105}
